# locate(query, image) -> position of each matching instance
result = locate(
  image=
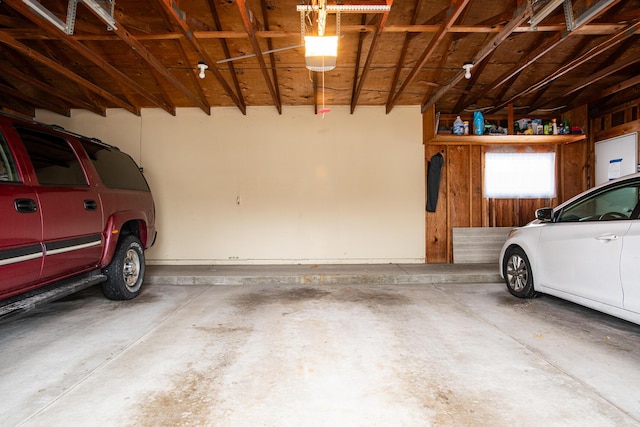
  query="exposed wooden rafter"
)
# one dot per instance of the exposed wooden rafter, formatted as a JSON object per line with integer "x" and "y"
{"x": 88, "y": 54}
{"x": 227, "y": 54}
{"x": 457, "y": 7}
{"x": 589, "y": 55}
{"x": 358, "y": 83}
{"x": 154, "y": 63}
{"x": 36, "y": 80}
{"x": 408, "y": 54}
{"x": 170, "y": 9}
{"x": 521, "y": 15}
{"x": 15, "y": 44}
{"x": 244, "y": 12}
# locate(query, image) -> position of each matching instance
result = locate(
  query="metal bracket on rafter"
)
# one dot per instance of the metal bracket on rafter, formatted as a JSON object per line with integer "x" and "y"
{"x": 103, "y": 8}
{"x": 568, "y": 15}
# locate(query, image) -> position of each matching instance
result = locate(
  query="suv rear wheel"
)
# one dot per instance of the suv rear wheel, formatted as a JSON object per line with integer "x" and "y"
{"x": 125, "y": 273}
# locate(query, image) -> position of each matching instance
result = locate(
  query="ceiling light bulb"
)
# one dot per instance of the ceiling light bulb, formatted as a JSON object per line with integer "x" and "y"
{"x": 202, "y": 67}
{"x": 467, "y": 68}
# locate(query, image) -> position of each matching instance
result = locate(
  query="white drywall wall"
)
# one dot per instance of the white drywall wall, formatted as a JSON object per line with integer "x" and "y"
{"x": 269, "y": 189}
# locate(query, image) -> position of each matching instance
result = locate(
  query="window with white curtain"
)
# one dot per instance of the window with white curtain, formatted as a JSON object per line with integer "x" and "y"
{"x": 519, "y": 175}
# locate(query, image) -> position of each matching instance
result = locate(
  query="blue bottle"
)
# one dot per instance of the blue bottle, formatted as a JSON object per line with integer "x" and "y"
{"x": 478, "y": 123}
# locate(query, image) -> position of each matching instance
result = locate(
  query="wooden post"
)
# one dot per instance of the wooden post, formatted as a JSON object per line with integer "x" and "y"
{"x": 510, "y": 129}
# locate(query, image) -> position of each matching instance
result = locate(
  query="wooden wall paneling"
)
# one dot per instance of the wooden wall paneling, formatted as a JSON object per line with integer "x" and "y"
{"x": 476, "y": 195}
{"x": 577, "y": 117}
{"x": 436, "y": 223}
{"x": 559, "y": 172}
{"x": 461, "y": 202}
{"x": 459, "y": 192}
{"x": 575, "y": 165}
{"x": 528, "y": 208}
{"x": 505, "y": 212}
{"x": 612, "y": 132}
{"x": 428, "y": 124}
{"x": 459, "y": 189}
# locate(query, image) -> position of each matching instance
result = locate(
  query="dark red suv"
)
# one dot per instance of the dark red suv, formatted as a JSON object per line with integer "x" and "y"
{"x": 74, "y": 212}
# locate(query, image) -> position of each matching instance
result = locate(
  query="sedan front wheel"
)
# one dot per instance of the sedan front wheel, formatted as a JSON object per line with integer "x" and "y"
{"x": 517, "y": 273}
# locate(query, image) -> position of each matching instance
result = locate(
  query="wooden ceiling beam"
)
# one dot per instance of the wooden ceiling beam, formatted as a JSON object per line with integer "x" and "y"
{"x": 154, "y": 63}
{"x": 589, "y": 55}
{"x": 454, "y": 38}
{"x": 65, "y": 56}
{"x": 571, "y": 96}
{"x": 405, "y": 46}
{"x": 37, "y": 103}
{"x": 370, "y": 55}
{"x": 272, "y": 58}
{"x": 528, "y": 59}
{"x": 81, "y": 49}
{"x": 520, "y": 15}
{"x": 27, "y": 51}
{"x": 170, "y": 9}
{"x": 477, "y": 71}
{"x": 314, "y": 79}
{"x": 534, "y": 100}
{"x": 456, "y": 8}
{"x": 182, "y": 49}
{"x": 244, "y": 12}
{"x": 227, "y": 54}
{"x": 356, "y": 68}
{"x": 599, "y": 29}
{"x": 613, "y": 68}
{"x": 37, "y": 82}
{"x": 403, "y": 52}
{"x": 620, "y": 87}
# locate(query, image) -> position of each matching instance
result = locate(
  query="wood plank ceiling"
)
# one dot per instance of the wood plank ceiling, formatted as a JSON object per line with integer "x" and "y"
{"x": 412, "y": 55}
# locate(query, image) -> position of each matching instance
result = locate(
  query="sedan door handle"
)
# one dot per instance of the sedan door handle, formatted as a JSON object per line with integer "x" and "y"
{"x": 25, "y": 205}
{"x": 90, "y": 205}
{"x": 607, "y": 237}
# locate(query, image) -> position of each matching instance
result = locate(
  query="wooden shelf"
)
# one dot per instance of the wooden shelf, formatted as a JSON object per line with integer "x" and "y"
{"x": 450, "y": 139}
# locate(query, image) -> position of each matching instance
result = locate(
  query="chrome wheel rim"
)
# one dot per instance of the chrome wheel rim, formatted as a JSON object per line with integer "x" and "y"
{"x": 131, "y": 269}
{"x": 517, "y": 273}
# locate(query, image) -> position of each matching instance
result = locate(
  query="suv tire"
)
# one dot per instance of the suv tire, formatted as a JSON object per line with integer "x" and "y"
{"x": 125, "y": 273}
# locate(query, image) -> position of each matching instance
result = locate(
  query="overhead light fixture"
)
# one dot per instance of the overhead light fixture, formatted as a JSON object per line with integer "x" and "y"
{"x": 467, "y": 69}
{"x": 320, "y": 53}
{"x": 203, "y": 66}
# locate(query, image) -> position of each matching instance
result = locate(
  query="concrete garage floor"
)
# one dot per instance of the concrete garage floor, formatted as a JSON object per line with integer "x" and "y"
{"x": 462, "y": 354}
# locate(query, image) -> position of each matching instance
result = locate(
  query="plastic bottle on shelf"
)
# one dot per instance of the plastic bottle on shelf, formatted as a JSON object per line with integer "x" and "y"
{"x": 458, "y": 126}
{"x": 478, "y": 122}
{"x": 554, "y": 125}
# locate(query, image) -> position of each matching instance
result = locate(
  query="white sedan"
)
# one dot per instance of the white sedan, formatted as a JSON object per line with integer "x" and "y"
{"x": 586, "y": 250}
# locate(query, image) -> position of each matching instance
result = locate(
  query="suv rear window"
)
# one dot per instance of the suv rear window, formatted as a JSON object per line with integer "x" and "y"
{"x": 53, "y": 159}
{"x": 115, "y": 168}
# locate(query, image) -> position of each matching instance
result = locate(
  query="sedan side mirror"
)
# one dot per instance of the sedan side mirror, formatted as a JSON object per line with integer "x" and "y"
{"x": 544, "y": 214}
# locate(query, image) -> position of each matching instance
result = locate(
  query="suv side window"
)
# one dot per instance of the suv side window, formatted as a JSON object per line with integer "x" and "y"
{"x": 115, "y": 168}
{"x": 8, "y": 172}
{"x": 53, "y": 159}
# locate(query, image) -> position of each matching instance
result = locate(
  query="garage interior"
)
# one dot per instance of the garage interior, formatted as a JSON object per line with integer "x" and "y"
{"x": 267, "y": 167}
{"x": 246, "y": 168}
